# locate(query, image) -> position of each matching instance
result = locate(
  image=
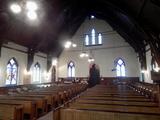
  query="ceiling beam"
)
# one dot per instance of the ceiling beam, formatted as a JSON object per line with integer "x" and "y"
{"x": 30, "y": 60}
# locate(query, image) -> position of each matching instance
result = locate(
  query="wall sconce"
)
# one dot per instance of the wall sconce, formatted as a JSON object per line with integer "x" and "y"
{"x": 27, "y": 72}
{"x": 144, "y": 71}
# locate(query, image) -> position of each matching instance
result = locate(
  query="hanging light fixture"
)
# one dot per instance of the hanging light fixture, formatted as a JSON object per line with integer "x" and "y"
{"x": 91, "y": 57}
{"x": 32, "y": 15}
{"x": 69, "y": 44}
{"x": 83, "y": 54}
{"x": 74, "y": 45}
{"x": 15, "y": 8}
{"x": 91, "y": 60}
{"x": 29, "y": 7}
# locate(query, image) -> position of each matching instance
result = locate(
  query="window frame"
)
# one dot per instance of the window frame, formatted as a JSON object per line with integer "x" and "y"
{"x": 91, "y": 37}
{"x": 36, "y": 70}
{"x": 122, "y": 73}
{"x": 70, "y": 75}
{"x": 11, "y": 71}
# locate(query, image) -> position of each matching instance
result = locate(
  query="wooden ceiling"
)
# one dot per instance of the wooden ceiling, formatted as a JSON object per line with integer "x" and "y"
{"x": 135, "y": 20}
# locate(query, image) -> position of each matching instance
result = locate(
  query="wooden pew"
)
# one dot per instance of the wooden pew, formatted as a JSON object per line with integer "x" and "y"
{"x": 11, "y": 112}
{"x": 29, "y": 107}
{"x": 37, "y": 101}
{"x": 122, "y": 103}
{"x": 116, "y": 98}
{"x": 80, "y": 114}
{"x": 49, "y": 99}
{"x": 118, "y": 108}
{"x": 112, "y": 103}
{"x": 149, "y": 90}
{"x": 40, "y": 102}
{"x": 57, "y": 95}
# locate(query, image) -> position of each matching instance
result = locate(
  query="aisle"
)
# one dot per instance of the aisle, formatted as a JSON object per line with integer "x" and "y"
{"x": 48, "y": 116}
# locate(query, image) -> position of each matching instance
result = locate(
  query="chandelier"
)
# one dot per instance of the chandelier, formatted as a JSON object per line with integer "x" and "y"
{"x": 28, "y": 7}
{"x": 70, "y": 44}
{"x": 91, "y": 59}
{"x": 83, "y": 55}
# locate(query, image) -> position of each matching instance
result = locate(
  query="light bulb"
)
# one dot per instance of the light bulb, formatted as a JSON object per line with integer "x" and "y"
{"x": 74, "y": 45}
{"x": 31, "y": 6}
{"x": 86, "y": 55}
{"x": 15, "y": 8}
{"x": 32, "y": 15}
{"x": 82, "y": 55}
{"x": 68, "y": 44}
{"x": 92, "y": 17}
{"x": 90, "y": 60}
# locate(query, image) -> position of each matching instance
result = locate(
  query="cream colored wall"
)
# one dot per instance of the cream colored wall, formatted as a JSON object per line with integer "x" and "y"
{"x": 6, "y": 55}
{"x": 21, "y": 57}
{"x": 43, "y": 64}
{"x": 114, "y": 46}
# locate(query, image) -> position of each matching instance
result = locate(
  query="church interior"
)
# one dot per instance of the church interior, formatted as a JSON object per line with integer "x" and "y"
{"x": 79, "y": 60}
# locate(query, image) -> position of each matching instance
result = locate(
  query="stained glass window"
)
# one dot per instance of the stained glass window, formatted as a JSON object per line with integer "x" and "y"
{"x": 36, "y": 73}
{"x": 120, "y": 67}
{"x": 71, "y": 69}
{"x": 12, "y": 72}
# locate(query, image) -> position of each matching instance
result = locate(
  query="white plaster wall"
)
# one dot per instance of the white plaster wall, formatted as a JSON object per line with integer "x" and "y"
{"x": 21, "y": 56}
{"x": 114, "y": 46}
{"x": 43, "y": 65}
{"x": 6, "y": 55}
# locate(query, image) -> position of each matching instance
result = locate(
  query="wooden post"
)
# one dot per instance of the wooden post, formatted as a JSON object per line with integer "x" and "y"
{"x": 158, "y": 94}
{"x": 30, "y": 58}
{"x": 1, "y": 44}
{"x": 49, "y": 62}
{"x": 0, "y": 48}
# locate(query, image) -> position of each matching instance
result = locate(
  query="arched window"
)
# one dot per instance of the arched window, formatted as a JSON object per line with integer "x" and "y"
{"x": 87, "y": 40}
{"x": 99, "y": 38}
{"x": 93, "y": 37}
{"x": 120, "y": 67}
{"x": 36, "y": 73}
{"x": 12, "y": 72}
{"x": 71, "y": 69}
